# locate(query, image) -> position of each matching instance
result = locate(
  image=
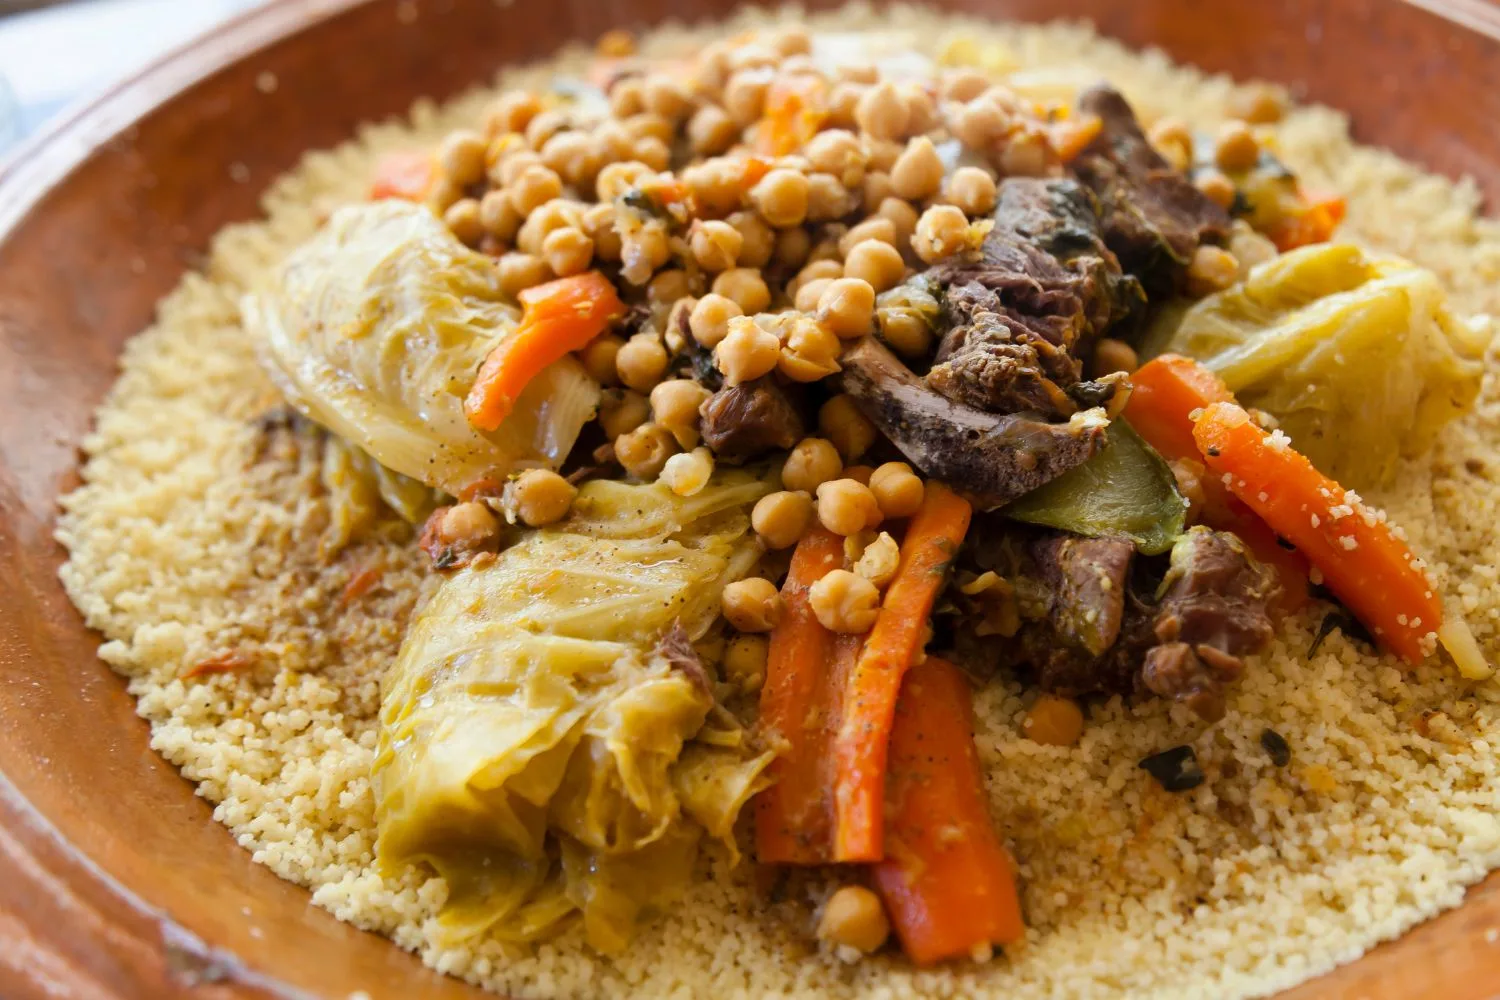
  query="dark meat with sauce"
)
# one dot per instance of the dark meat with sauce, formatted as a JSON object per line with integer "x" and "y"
{"x": 993, "y": 459}
{"x": 1091, "y": 622}
{"x": 1153, "y": 217}
{"x": 745, "y": 421}
{"x": 1023, "y": 310}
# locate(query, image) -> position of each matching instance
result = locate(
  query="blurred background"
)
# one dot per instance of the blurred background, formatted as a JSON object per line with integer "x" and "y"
{"x": 56, "y": 52}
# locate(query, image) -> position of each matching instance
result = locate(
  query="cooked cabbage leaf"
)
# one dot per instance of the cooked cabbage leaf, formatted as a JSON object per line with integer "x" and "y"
{"x": 1358, "y": 357}
{"x": 375, "y": 329}
{"x": 537, "y": 747}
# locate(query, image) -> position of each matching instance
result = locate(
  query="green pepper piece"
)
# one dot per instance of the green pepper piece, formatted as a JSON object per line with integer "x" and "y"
{"x": 1126, "y": 489}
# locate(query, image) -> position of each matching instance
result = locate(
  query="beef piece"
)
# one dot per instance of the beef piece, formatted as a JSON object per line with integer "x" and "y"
{"x": 1213, "y": 612}
{"x": 1024, "y": 309}
{"x": 993, "y": 458}
{"x": 745, "y": 421}
{"x": 1153, "y": 217}
{"x": 1087, "y": 578}
{"x": 676, "y": 648}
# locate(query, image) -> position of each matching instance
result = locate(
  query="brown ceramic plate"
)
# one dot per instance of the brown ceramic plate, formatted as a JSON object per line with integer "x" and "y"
{"x": 114, "y": 880}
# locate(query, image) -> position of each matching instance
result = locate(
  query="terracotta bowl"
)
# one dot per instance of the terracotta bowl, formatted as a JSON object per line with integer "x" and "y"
{"x": 114, "y": 880}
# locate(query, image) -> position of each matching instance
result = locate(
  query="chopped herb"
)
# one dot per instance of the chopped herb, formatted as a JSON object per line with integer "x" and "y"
{"x": 1176, "y": 769}
{"x": 1346, "y": 623}
{"x": 1275, "y": 746}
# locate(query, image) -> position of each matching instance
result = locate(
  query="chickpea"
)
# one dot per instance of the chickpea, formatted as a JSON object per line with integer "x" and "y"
{"x": 817, "y": 269}
{"x": 782, "y": 518}
{"x": 757, "y": 240}
{"x": 811, "y": 351}
{"x": 841, "y": 422}
{"x": 599, "y": 223}
{"x": 498, "y": 216}
{"x": 753, "y": 56}
{"x": 862, "y": 72}
{"x": 837, "y": 152}
{"x": 902, "y": 216}
{"x": 622, "y": 411}
{"x": 879, "y": 560}
{"x": 644, "y": 451}
{"x": 752, "y": 604}
{"x": 1111, "y": 355}
{"x": 882, "y": 153}
{"x": 744, "y": 663}
{"x": 1025, "y": 155}
{"x": 620, "y": 178}
{"x": 441, "y": 195}
{"x": 614, "y": 141}
{"x": 686, "y": 473}
{"x": 846, "y": 506}
{"x": 462, "y": 220}
{"x": 875, "y": 228}
{"x": 807, "y": 294}
{"x": 942, "y": 231}
{"x": 461, "y": 157}
{"x": 1053, "y": 721}
{"x": 710, "y": 131}
{"x": 792, "y": 248}
{"x": 567, "y": 251}
{"x": 813, "y": 462}
{"x": 972, "y": 190}
{"x": 598, "y": 358}
{"x": 876, "y": 263}
{"x": 556, "y": 214}
{"x": 1211, "y": 270}
{"x": 745, "y": 96}
{"x": 642, "y": 251}
{"x": 573, "y": 156}
{"x": 792, "y": 40}
{"x": 536, "y": 186}
{"x": 918, "y": 172}
{"x": 844, "y": 602}
{"x": 709, "y": 320}
{"x": 669, "y": 287}
{"x": 827, "y": 247}
{"x": 843, "y": 100}
{"x": 980, "y": 123}
{"x": 781, "y": 198}
{"x": 1174, "y": 140}
{"x": 904, "y": 331}
{"x": 674, "y": 405}
{"x": 827, "y": 199}
{"x": 859, "y": 473}
{"x": 963, "y": 85}
{"x": 714, "y": 244}
{"x": 641, "y": 363}
{"x": 469, "y": 526}
{"x": 544, "y": 126}
{"x": 664, "y": 96}
{"x": 921, "y": 110}
{"x": 1235, "y": 147}
{"x": 540, "y": 497}
{"x": 847, "y": 307}
{"x": 1258, "y": 104}
{"x": 512, "y": 112}
{"x": 881, "y": 112}
{"x": 653, "y": 152}
{"x": 510, "y": 168}
{"x": 745, "y": 287}
{"x": 627, "y": 97}
{"x": 520, "y": 271}
{"x": 876, "y": 189}
{"x": 1216, "y": 188}
{"x": 747, "y": 352}
{"x": 897, "y": 490}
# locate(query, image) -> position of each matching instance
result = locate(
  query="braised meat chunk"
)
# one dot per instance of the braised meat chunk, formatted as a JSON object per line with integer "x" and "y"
{"x": 1024, "y": 309}
{"x": 741, "y": 422}
{"x": 1087, "y": 581}
{"x": 1152, "y": 216}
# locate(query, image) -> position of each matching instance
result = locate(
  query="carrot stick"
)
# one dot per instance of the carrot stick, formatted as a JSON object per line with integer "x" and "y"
{"x": 561, "y": 316}
{"x": 1166, "y": 392}
{"x": 402, "y": 175}
{"x": 893, "y": 644}
{"x": 792, "y": 823}
{"x": 795, "y": 109}
{"x": 947, "y": 880}
{"x": 1370, "y": 570}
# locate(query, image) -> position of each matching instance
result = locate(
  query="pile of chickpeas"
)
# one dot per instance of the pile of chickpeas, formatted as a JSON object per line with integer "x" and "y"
{"x": 770, "y": 262}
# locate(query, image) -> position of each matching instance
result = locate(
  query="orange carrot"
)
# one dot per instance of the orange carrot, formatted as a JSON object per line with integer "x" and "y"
{"x": 403, "y": 175}
{"x": 795, "y": 109}
{"x": 223, "y": 663}
{"x": 362, "y": 581}
{"x": 1367, "y": 567}
{"x": 1167, "y": 391}
{"x": 792, "y": 823}
{"x": 947, "y": 880}
{"x": 1072, "y": 136}
{"x": 561, "y": 316}
{"x": 893, "y": 645}
{"x": 1318, "y": 217}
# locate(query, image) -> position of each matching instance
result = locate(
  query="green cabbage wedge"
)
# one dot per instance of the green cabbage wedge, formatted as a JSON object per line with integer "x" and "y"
{"x": 539, "y": 749}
